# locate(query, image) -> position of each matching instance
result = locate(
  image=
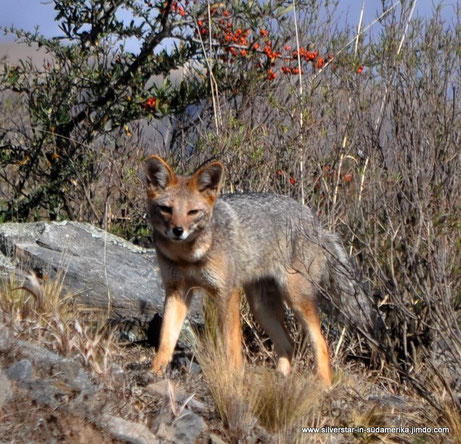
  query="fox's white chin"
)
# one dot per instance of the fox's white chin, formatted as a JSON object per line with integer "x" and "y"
{"x": 171, "y": 236}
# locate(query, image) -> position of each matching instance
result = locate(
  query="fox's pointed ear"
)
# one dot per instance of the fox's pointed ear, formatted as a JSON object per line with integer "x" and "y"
{"x": 158, "y": 173}
{"x": 209, "y": 177}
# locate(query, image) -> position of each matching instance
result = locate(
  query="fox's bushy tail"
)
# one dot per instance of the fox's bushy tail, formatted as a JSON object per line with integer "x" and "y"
{"x": 344, "y": 293}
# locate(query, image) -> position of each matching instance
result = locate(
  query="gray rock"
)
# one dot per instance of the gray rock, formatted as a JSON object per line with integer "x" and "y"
{"x": 185, "y": 429}
{"x": 67, "y": 370}
{"x": 21, "y": 371}
{"x": 5, "y": 389}
{"x": 188, "y": 337}
{"x": 41, "y": 357}
{"x": 45, "y": 392}
{"x": 127, "y": 431}
{"x": 188, "y": 427}
{"x": 166, "y": 388}
{"x": 7, "y": 265}
{"x": 6, "y": 339}
{"x": 79, "y": 382}
{"x": 101, "y": 269}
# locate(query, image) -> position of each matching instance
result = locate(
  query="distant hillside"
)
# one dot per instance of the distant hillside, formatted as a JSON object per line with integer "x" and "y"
{"x": 12, "y": 52}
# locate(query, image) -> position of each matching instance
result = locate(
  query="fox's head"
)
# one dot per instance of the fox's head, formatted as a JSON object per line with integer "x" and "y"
{"x": 180, "y": 207}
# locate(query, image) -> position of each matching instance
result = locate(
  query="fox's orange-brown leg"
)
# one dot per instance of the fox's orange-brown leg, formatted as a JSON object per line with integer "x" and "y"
{"x": 231, "y": 329}
{"x": 302, "y": 299}
{"x": 318, "y": 341}
{"x": 267, "y": 306}
{"x": 176, "y": 306}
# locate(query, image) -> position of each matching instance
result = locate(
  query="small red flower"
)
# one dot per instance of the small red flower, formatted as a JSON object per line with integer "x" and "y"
{"x": 263, "y": 32}
{"x": 348, "y": 177}
{"x": 320, "y": 62}
{"x": 292, "y": 181}
{"x": 360, "y": 69}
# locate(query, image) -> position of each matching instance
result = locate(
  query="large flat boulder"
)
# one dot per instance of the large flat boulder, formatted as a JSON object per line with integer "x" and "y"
{"x": 99, "y": 269}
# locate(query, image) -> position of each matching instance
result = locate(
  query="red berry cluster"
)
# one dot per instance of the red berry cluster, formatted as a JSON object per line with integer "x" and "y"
{"x": 237, "y": 43}
{"x": 175, "y": 8}
{"x": 240, "y": 42}
{"x": 150, "y": 104}
{"x": 330, "y": 175}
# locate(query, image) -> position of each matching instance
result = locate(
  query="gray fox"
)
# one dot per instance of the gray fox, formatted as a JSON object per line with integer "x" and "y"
{"x": 269, "y": 245}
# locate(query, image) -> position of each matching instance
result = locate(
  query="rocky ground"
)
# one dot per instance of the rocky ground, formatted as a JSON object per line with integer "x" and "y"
{"x": 48, "y": 398}
{"x": 74, "y": 369}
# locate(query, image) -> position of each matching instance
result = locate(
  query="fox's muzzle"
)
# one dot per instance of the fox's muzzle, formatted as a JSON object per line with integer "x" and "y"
{"x": 178, "y": 233}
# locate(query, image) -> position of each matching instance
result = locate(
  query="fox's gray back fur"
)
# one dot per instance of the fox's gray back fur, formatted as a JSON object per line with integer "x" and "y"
{"x": 266, "y": 234}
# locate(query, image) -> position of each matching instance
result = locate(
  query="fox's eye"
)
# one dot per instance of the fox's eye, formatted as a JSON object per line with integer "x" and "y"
{"x": 165, "y": 209}
{"x": 192, "y": 212}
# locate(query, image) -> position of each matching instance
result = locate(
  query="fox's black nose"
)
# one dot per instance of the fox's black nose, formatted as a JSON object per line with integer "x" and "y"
{"x": 178, "y": 231}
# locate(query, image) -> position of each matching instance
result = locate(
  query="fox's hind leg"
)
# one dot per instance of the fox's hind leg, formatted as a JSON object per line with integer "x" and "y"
{"x": 301, "y": 296}
{"x": 267, "y": 306}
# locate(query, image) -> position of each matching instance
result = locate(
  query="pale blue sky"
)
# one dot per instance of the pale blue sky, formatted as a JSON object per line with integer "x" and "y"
{"x": 27, "y": 14}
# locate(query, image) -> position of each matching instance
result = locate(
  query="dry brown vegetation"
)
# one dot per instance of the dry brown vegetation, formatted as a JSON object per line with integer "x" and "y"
{"x": 259, "y": 404}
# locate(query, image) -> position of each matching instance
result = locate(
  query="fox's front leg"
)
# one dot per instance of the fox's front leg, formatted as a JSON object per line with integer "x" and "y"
{"x": 231, "y": 329}
{"x": 175, "y": 311}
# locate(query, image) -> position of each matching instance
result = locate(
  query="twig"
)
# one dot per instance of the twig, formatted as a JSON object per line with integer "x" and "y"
{"x": 301, "y": 120}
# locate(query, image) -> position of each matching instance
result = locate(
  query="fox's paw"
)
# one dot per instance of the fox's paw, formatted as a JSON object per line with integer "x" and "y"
{"x": 325, "y": 378}
{"x": 284, "y": 366}
{"x": 159, "y": 365}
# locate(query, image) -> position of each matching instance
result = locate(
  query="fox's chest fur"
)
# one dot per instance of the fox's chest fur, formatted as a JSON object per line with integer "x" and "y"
{"x": 180, "y": 266}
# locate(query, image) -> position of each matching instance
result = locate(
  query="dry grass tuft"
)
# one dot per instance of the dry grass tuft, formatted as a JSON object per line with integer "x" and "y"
{"x": 280, "y": 403}
{"x": 453, "y": 421}
{"x": 38, "y": 309}
{"x": 33, "y": 296}
{"x": 257, "y": 397}
{"x": 227, "y": 387}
